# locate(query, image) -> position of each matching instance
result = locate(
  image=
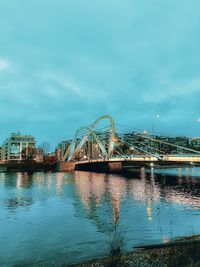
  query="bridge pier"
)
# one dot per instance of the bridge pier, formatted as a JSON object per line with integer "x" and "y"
{"x": 114, "y": 166}
{"x": 64, "y": 166}
{"x": 99, "y": 166}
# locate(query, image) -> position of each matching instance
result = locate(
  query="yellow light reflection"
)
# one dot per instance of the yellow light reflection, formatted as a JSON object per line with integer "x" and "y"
{"x": 117, "y": 188}
{"x": 59, "y": 183}
{"x": 83, "y": 186}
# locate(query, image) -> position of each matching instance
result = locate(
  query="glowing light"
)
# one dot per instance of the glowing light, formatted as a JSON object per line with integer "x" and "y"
{"x": 166, "y": 240}
{"x": 149, "y": 213}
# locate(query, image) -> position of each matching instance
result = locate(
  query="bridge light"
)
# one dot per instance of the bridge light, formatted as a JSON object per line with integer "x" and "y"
{"x": 151, "y": 164}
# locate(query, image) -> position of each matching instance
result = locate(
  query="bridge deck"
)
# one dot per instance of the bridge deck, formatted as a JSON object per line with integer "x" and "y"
{"x": 146, "y": 158}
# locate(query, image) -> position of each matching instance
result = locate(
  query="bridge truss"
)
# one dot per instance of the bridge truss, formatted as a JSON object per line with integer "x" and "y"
{"x": 93, "y": 141}
{"x": 101, "y": 140}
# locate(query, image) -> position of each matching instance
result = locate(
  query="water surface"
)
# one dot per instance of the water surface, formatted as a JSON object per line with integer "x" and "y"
{"x": 50, "y": 219}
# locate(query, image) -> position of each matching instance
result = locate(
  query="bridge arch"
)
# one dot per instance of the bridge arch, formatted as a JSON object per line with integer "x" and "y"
{"x": 112, "y": 132}
{"x": 77, "y": 144}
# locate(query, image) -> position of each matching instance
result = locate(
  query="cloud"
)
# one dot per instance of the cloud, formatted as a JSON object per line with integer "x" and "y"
{"x": 166, "y": 89}
{"x": 4, "y": 65}
{"x": 71, "y": 63}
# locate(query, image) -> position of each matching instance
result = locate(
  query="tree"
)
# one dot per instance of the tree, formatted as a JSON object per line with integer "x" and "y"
{"x": 45, "y": 146}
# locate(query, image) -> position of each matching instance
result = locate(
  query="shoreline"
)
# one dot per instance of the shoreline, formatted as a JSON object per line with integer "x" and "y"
{"x": 184, "y": 252}
{"x": 28, "y": 166}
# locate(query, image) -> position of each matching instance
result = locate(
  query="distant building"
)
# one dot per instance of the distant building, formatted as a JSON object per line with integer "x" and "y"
{"x": 58, "y": 153}
{"x": 18, "y": 147}
{"x": 136, "y": 143}
{"x": 61, "y": 149}
{"x": 0, "y": 154}
{"x": 195, "y": 143}
{"x": 50, "y": 158}
{"x": 39, "y": 155}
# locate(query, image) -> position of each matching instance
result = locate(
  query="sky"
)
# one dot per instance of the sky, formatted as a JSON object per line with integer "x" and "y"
{"x": 64, "y": 63}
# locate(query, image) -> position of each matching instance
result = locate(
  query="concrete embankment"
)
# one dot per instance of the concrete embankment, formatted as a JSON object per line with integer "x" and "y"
{"x": 181, "y": 253}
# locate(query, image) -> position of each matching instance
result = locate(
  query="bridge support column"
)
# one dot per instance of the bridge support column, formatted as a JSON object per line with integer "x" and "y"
{"x": 114, "y": 166}
{"x": 65, "y": 166}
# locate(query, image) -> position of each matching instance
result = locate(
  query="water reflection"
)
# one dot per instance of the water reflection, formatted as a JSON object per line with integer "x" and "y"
{"x": 144, "y": 189}
{"x": 59, "y": 183}
{"x": 24, "y": 180}
{"x": 13, "y": 203}
{"x": 83, "y": 187}
{"x": 94, "y": 188}
{"x": 49, "y": 183}
{"x": 147, "y": 189}
{"x": 78, "y": 211}
{"x": 98, "y": 186}
{"x": 117, "y": 189}
{"x": 2, "y": 179}
{"x": 40, "y": 181}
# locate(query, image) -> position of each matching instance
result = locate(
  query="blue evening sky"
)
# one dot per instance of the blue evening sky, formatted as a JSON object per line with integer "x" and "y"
{"x": 63, "y": 63}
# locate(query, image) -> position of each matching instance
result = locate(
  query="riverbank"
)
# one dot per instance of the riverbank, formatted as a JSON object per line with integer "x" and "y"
{"x": 27, "y": 166}
{"x": 180, "y": 253}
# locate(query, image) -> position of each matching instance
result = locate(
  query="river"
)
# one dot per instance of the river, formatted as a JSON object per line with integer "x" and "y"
{"x": 50, "y": 219}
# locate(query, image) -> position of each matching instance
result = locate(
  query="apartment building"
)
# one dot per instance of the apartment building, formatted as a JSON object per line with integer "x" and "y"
{"x": 18, "y": 147}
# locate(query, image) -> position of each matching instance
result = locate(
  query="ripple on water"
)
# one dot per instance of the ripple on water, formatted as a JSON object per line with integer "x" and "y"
{"x": 61, "y": 218}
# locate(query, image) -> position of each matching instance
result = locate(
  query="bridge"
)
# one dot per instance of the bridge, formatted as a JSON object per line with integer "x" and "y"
{"x": 101, "y": 147}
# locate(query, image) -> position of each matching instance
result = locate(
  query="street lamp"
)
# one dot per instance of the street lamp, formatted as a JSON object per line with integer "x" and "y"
{"x": 153, "y": 129}
{"x": 153, "y": 143}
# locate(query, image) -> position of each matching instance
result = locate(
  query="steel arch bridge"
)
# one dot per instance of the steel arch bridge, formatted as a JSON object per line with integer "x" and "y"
{"x": 90, "y": 138}
{"x": 101, "y": 142}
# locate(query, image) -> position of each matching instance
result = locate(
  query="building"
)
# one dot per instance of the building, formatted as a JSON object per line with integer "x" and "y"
{"x": 195, "y": 143}
{"x": 50, "y": 158}
{"x": 137, "y": 143}
{"x": 39, "y": 155}
{"x": 61, "y": 149}
{"x": 18, "y": 147}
